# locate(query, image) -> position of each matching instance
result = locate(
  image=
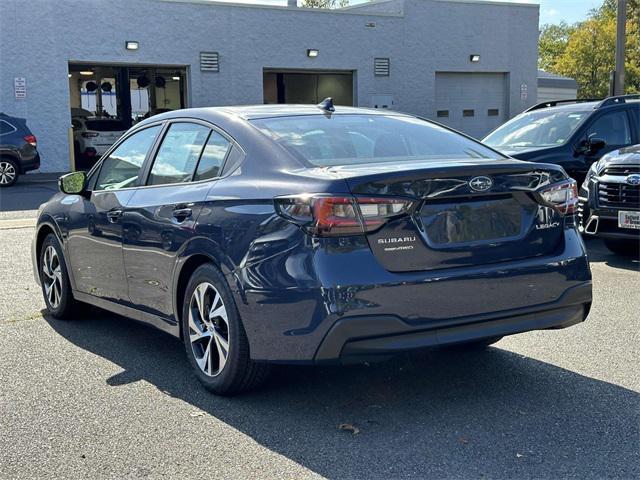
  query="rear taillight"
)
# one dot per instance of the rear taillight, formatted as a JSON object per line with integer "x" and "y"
{"x": 89, "y": 134}
{"x": 563, "y": 197}
{"x": 340, "y": 215}
{"x": 31, "y": 140}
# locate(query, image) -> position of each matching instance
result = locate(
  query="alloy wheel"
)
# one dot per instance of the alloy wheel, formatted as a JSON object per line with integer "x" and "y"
{"x": 52, "y": 276}
{"x": 208, "y": 329}
{"x": 7, "y": 173}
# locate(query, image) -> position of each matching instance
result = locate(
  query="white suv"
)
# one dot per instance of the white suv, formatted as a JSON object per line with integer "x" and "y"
{"x": 92, "y": 136}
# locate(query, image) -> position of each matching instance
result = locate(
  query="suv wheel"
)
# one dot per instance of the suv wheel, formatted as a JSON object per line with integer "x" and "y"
{"x": 629, "y": 248}
{"x": 8, "y": 172}
{"x": 55, "y": 280}
{"x": 214, "y": 337}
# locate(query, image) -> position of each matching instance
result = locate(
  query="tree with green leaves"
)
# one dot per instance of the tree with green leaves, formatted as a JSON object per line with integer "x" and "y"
{"x": 586, "y": 51}
{"x": 552, "y": 44}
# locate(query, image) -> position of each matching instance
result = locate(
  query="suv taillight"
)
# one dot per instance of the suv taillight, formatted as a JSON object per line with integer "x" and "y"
{"x": 31, "y": 140}
{"x": 340, "y": 215}
{"x": 563, "y": 196}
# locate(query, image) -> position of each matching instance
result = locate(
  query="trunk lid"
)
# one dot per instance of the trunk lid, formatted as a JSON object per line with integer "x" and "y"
{"x": 468, "y": 212}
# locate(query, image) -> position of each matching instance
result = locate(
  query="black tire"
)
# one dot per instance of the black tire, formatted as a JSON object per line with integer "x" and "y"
{"x": 629, "y": 248}
{"x": 9, "y": 172}
{"x": 480, "y": 344}
{"x": 67, "y": 307}
{"x": 239, "y": 373}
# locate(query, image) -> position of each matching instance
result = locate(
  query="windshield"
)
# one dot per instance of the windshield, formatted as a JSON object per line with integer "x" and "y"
{"x": 536, "y": 129}
{"x": 352, "y": 139}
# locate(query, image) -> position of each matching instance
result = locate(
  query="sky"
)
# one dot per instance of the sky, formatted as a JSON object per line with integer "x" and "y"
{"x": 551, "y": 11}
{"x": 571, "y": 11}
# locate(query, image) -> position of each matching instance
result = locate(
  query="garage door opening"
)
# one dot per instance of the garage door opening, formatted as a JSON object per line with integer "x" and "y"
{"x": 307, "y": 87}
{"x": 473, "y": 103}
{"x": 106, "y": 100}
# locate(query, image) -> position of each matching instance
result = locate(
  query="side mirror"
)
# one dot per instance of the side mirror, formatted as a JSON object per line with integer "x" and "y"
{"x": 596, "y": 144}
{"x": 590, "y": 146}
{"x": 73, "y": 183}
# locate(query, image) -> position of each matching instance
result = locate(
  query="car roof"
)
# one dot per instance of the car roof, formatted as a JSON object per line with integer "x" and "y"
{"x": 571, "y": 107}
{"x": 252, "y": 112}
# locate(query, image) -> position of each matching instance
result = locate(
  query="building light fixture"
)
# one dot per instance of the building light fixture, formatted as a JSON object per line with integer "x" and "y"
{"x": 70, "y": 75}
{"x": 175, "y": 78}
{"x": 475, "y": 58}
{"x": 86, "y": 73}
{"x": 131, "y": 45}
{"x": 312, "y": 52}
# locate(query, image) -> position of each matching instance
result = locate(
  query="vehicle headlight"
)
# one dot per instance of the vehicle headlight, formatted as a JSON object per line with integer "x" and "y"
{"x": 593, "y": 171}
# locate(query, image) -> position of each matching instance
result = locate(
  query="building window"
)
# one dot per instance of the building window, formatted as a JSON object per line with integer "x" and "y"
{"x": 442, "y": 113}
{"x": 468, "y": 113}
{"x": 493, "y": 112}
{"x": 381, "y": 67}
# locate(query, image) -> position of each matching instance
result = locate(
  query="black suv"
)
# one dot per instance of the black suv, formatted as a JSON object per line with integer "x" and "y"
{"x": 571, "y": 133}
{"x": 610, "y": 200}
{"x": 18, "y": 153}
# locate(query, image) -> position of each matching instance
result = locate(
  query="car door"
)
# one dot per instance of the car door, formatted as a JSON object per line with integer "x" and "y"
{"x": 160, "y": 217}
{"x": 614, "y": 127}
{"x": 94, "y": 244}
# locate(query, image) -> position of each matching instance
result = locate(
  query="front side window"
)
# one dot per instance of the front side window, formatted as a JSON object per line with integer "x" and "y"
{"x": 354, "y": 139}
{"x": 178, "y": 154}
{"x": 212, "y": 157}
{"x": 536, "y": 129}
{"x": 122, "y": 167}
{"x": 613, "y": 128}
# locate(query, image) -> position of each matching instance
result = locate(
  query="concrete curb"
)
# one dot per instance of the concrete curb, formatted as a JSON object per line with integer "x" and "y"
{"x": 17, "y": 223}
{"x": 40, "y": 177}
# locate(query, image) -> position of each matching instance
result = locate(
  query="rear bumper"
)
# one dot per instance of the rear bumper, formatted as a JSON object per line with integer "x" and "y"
{"x": 28, "y": 164}
{"x": 367, "y": 338}
{"x": 330, "y": 303}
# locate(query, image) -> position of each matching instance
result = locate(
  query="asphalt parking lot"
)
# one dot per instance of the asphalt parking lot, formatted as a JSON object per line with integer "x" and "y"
{"x": 105, "y": 397}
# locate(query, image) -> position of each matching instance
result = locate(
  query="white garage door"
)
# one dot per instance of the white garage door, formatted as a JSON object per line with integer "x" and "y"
{"x": 474, "y": 103}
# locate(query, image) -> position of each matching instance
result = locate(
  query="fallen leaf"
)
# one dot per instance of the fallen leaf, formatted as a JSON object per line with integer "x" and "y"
{"x": 464, "y": 440}
{"x": 349, "y": 428}
{"x": 519, "y": 455}
{"x": 197, "y": 414}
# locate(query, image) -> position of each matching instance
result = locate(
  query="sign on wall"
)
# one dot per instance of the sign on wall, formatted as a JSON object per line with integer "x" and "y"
{"x": 523, "y": 92}
{"x": 20, "y": 87}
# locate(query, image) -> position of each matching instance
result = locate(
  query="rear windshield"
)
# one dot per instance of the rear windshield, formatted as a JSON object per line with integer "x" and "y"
{"x": 536, "y": 129}
{"x": 352, "y": 139}
{"x": 105, "y": 125}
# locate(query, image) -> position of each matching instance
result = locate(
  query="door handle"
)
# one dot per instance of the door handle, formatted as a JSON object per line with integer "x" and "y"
{"x": 114, "y": 215}
{"x": 181, "y": 214}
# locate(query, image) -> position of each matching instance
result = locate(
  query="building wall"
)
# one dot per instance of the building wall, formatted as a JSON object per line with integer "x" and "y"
{"x": 547, "y": 94}
{"x": 429, "y": 36}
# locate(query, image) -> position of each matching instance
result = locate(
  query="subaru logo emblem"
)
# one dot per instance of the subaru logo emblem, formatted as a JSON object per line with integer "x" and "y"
{"x": 633, "y": 179}
{"x": 480, "y": 184}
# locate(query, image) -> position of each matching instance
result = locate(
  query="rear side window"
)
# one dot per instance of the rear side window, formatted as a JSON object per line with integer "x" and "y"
{"x": 212, "y": 157}
{"x": 122, "y": 167}
{"x": 353, "y": 139}
{"x": 612, "y": 127}
{"x": 6, "y": 128}
{"x": 105, "y": 125}
{"x": 178, "y": 154}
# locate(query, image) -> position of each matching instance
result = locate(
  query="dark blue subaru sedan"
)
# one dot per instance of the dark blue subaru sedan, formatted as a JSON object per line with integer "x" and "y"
{"x": 312, "y": 234}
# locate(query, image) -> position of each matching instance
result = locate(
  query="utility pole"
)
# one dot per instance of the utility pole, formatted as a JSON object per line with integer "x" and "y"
{"x": 620, "y": 41}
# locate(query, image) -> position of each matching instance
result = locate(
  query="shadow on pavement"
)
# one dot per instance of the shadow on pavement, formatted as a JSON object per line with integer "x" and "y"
{"x": 598, "y": 253}
{"x": 26, "y": 195}
{"x": 429, "y": 415}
